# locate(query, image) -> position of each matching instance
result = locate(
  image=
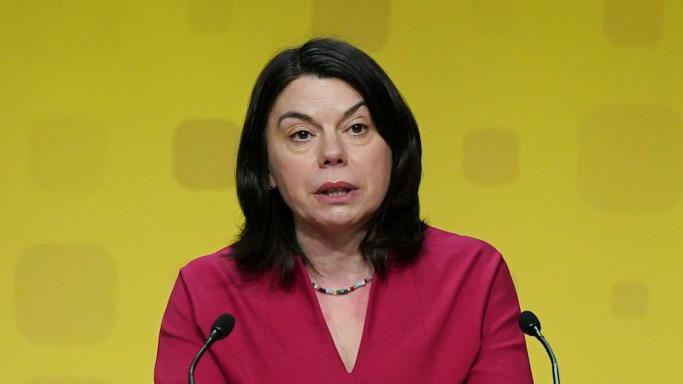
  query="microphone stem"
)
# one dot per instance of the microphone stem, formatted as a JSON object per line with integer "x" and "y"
{"x": 553, "y": 359}
{"x": 199, "y": 355}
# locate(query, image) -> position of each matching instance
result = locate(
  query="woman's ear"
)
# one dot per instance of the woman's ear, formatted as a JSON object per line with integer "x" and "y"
{"x": 271, "y": 181}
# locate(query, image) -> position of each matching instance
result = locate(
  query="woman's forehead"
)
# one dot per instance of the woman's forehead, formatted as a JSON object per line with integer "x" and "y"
{"x": 308, "y": 94}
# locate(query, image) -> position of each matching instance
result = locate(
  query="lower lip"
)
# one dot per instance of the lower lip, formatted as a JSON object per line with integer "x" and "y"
{"x": 337, "y": 199}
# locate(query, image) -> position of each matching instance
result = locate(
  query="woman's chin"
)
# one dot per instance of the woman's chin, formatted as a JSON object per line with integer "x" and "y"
{"x": 334, "y": 221}
{"x": 340, "y": 224}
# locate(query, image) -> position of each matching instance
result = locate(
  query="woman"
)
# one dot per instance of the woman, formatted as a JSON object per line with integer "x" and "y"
{"x": 334, "y": 277}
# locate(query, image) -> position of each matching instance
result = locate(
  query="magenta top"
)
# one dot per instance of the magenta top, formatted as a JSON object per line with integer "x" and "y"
{"x": 451, "y": 317}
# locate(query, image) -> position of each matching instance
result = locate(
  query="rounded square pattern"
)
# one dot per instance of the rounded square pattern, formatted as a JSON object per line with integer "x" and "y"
{"x": 490, "y": 156}
{"x": 205, "y": 153}
{"x": 209, "y": 16}
{"x": 364, "y": 23}
{"x": 630, "y": 158}
{"x": 65, "y": 294}
{"x": 634, "y": 22}
{"x": 630, "y": 299}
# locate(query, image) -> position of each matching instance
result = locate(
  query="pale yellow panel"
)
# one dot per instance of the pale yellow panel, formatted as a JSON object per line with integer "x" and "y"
{"x": 630, "y": 158}
{"x": 65, "y": 294}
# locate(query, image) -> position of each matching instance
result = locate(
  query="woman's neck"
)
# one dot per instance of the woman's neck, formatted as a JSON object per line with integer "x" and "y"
{"x": 335, "y": 258}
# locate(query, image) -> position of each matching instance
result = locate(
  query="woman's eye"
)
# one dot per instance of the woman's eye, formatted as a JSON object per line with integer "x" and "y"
{"x": 300, "y": 135}
{"x": 358, "y": 129}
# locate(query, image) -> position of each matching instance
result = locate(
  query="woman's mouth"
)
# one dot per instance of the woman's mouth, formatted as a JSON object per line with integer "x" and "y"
{"x": 332, "y": 188}
{"x": 338, "y": 191}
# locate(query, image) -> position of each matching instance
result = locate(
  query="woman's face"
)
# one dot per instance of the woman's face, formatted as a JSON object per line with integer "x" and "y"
{"x": 326, "y": 157}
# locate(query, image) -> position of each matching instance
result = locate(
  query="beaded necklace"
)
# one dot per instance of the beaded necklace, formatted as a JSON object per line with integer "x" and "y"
{"x": 342, "y": 291}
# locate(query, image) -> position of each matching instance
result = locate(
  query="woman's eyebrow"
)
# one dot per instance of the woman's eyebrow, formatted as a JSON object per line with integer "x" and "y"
{"x": 353, "y": 109}
{"x": 305, "y": 117}
{"x": 295, "y": 115}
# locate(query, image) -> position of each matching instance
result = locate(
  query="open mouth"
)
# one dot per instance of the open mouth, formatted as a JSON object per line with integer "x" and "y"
{"x": 336, "y": 189}
{"x": 336, "y": 192}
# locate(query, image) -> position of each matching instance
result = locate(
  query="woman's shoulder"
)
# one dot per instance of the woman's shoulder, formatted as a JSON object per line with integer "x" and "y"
{"x": 216, "y": 267}
{"x": 444, "y": 249}
{"x": 439, "y": 238}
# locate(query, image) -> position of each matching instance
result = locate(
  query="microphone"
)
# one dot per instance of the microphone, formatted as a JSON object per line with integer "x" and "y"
{"x": 221, "y": 329}
{"x": 530, "y": 325}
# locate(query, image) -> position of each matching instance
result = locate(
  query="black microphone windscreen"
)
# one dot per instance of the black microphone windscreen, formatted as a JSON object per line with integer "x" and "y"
{"x": 223, "y": 325}
{"x": 528, "y": 322}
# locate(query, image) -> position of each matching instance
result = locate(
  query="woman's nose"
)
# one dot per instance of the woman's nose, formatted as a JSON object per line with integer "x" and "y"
{"x": 332, "y": 151}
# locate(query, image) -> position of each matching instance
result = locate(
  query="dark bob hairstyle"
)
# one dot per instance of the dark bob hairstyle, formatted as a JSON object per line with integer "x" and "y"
{"x": 267, "y": 241}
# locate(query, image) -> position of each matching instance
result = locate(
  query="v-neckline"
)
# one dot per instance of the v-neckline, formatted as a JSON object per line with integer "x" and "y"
{"x": 323, "y": 323}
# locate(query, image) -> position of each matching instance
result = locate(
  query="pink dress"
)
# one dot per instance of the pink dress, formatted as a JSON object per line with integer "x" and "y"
{"x": 451, "y": 317}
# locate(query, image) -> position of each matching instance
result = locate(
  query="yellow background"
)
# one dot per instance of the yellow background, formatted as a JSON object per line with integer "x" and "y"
{"x": 551, "y": 129}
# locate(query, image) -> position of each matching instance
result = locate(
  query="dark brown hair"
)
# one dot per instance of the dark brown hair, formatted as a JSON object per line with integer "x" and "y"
{"x": 267, "y": 241}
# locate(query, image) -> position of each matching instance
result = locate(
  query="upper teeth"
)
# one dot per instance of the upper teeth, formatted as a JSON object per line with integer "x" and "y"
{"x": 336, "y": 191}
